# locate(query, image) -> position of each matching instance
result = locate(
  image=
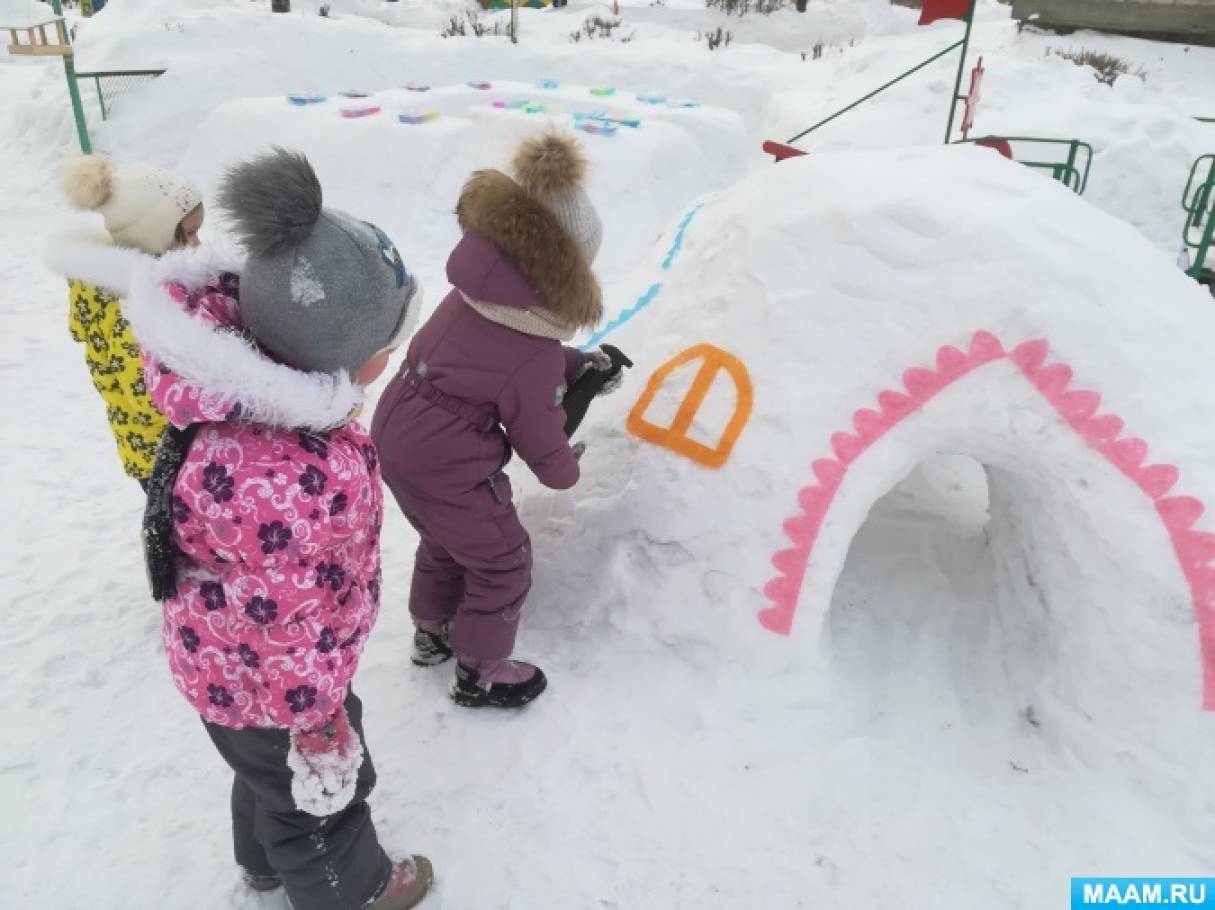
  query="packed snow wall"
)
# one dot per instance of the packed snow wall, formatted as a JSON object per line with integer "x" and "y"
{"x": 816, "y": 332}
{"x": 406, "y": 176}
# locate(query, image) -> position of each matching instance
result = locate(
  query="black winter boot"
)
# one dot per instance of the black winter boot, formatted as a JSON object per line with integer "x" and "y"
{"x": 429, "y": 649}
{"x": 472, "y": 690}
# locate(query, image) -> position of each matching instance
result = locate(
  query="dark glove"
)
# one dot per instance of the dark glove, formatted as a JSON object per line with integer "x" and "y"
{"x": 592, "y": 382}
{"x": 601, "y": 360}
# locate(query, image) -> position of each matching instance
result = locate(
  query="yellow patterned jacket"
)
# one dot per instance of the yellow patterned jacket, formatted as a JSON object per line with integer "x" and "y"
{"x": 112, "y": 354}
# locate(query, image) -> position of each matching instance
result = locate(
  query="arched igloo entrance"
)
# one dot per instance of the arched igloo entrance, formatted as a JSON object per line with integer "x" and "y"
{"x": 1091, "y": 567}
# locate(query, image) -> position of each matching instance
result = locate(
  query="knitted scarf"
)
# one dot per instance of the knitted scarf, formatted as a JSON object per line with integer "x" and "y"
{"x": 536, "y": 321}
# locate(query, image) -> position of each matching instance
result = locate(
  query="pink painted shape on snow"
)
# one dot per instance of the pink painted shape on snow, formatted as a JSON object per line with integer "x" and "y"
{"x": 1195, "y": 550}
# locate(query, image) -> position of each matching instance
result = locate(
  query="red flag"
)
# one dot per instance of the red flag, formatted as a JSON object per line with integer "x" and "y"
{"x": 933, "y": 10}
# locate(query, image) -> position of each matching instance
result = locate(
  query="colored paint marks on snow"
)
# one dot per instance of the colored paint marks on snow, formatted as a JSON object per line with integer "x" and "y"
{"x": 677, "y": 243}
{"x": 675, "y": 437}
{"x": 596, "y": 127}
{"x": 527, "y": 107}
{"x": 653, "y": 290}
{"x": 1079, "y": 409}
{"x": 416, "y": 117}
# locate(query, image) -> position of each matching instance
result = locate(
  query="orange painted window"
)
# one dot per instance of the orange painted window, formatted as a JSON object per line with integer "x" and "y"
{"x": 675, "y": 437}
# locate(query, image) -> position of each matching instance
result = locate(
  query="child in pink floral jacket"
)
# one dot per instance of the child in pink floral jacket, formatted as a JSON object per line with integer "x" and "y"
{"x": 264, "y": 519}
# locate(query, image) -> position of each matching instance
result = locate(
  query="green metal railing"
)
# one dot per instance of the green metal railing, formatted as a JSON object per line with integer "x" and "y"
{"x": 1197, "y": 201}
{"x": 964, "y": 44}
{"x": 893, "y": 82}
{"x": 69, "y": 73}
{"x": 1072, "y": 171}
{"x": 111, "y": 84}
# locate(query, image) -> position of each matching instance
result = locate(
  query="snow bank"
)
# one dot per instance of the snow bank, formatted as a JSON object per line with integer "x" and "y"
{"x": 409, "y": 175}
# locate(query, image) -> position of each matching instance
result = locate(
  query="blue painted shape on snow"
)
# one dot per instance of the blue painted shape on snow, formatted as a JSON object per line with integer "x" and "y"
{"x": 652, "y": 291}
{"x": 642, "y": 302}
{"x": 677, "y": 244}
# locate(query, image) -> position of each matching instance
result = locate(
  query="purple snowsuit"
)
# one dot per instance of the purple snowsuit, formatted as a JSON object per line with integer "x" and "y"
{"x": 470, "y": 391}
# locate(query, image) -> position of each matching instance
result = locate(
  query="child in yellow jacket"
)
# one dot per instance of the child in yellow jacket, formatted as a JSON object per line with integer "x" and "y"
{"x": 147, "y": 212}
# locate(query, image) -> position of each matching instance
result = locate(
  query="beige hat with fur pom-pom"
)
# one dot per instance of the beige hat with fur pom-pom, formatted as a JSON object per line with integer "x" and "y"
{"x": 142, "y": 204}
{"x": 551, "y": 169}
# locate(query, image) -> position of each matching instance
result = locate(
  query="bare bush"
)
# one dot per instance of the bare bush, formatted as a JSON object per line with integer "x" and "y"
{"x": 1106, "y": 67}
{"x": 598, "y": 27}
{"x": 457, "y": 27}
{"x": 715, "y": 39}
{"x": 745, "y": 7}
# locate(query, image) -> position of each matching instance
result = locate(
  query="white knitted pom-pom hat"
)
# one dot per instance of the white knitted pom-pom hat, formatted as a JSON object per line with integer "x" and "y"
{"x": 142, "y": 205}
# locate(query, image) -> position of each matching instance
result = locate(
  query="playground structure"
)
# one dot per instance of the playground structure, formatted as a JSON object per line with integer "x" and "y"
{"x": 39, "y": 44}
{"x": 1198, "y": 201}
{"x": 932, "y": 11}
{"x": 1072, "y": 171}
{"x": 52, "y": 39}
{"x": 1071, "y": 166}
{"x": 33, "y": 40}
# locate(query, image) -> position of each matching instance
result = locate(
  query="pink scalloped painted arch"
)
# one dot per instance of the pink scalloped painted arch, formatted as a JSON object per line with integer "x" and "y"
{"x": 1079, "y": 408}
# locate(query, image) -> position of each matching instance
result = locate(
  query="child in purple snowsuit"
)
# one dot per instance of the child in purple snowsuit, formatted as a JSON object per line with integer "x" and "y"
{"x": 485, "y": 377}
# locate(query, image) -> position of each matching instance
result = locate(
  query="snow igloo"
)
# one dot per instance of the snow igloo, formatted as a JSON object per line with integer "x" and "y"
{"x": 833, "y": 324}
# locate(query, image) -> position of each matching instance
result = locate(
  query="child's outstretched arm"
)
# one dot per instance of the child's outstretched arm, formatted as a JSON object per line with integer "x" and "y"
{"x": 531, "y": 412}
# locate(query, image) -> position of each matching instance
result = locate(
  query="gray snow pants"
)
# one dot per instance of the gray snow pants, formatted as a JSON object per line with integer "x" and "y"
{"x": 331, "y": 863}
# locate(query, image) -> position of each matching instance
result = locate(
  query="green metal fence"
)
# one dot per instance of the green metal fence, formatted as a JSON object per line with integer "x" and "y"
{"x": 113, "y": 83}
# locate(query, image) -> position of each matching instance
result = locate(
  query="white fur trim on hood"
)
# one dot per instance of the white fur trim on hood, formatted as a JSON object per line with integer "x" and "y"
{"x": 225, "y": 362}
{"x": 90, "y": 256}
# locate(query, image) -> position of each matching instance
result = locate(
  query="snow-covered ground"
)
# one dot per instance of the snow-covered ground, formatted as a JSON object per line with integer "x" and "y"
{"x": 928, "y": 737}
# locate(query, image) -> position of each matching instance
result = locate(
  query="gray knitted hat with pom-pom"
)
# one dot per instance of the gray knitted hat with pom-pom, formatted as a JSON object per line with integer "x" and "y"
{"x": 320, "y": 290}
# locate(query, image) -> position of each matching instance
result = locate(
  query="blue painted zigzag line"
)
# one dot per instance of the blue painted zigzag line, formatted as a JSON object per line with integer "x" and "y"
{"x": 677, "y": 244}
{"x": 643, "y": 301}
{"x": 651, "y": 292}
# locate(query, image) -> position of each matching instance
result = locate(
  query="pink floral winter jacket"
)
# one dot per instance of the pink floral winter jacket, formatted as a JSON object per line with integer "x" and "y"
{"x": 279, "y": 578}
